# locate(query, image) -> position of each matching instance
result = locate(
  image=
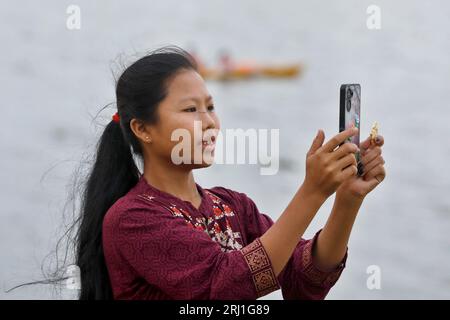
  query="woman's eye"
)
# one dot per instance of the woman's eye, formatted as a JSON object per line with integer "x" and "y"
{"x": 193, "y": 109}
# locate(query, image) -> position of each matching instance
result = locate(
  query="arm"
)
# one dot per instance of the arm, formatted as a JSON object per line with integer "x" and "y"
{"x": 333, "y": 240}
{"x": 326, "y": 169}
{"x": 281, "y": 238}
{"x": 332, "y": 243}
{"x": 301, "y": 278}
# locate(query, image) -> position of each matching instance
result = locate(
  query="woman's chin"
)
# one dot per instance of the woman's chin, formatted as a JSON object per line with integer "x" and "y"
{"x": 206, "y": 161}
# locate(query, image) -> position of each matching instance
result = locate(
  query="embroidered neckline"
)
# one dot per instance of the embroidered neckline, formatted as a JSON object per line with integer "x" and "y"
{"x": 221, "y": 212}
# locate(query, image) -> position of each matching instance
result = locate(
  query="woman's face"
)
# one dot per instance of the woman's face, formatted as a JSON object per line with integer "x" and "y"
{"x": 187, "y": 114}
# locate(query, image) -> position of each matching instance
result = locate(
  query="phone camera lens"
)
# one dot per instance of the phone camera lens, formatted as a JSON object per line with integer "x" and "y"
{"x": 349, "y": 93}
{"x": 349, "y": 99}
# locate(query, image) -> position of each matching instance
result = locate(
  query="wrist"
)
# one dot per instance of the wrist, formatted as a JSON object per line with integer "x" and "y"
{"x": 315, "y": 198}
{"x": 346, "y": 201}
{"x": 348, "y": 198}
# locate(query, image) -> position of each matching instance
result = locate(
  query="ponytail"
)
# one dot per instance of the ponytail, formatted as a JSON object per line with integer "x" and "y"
{"x": 113, "y": 174}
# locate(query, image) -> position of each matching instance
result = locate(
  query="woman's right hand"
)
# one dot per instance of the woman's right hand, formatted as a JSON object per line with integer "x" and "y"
{"x": 328, "y": 165}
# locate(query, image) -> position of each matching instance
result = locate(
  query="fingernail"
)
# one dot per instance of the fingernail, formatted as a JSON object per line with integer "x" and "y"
{"x": 377, "y": 139}
{"x": 360, "y": 169}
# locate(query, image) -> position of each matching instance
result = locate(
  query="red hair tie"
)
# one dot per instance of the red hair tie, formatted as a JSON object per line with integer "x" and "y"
{"x": 116, "y": 117}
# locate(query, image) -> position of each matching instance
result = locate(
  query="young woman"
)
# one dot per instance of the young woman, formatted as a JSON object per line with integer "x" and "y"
{"x": 160, "y": 235}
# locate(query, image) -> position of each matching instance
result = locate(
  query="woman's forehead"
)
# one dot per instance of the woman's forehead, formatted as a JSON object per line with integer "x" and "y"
{"x": 188, "y": 86}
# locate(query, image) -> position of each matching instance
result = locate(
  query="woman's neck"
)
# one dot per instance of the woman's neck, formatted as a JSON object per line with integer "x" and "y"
{"x": 173, "y": 180}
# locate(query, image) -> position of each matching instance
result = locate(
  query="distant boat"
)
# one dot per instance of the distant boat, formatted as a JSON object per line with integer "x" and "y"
{"x": 248, "y": 71}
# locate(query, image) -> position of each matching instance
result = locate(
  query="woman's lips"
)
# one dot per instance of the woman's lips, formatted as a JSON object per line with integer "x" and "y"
{"x": 207, "y": 144}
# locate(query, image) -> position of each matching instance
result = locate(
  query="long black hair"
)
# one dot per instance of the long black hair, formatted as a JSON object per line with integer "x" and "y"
{"x": 139, "y": 90}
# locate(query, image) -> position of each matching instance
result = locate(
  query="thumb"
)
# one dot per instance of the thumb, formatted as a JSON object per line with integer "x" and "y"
{"x": 317, "y": 142}
{"x": 363, "y": 146}
{"x": 366, "y": 144}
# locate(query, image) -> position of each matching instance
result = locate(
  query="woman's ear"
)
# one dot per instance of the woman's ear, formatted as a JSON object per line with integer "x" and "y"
{"x": 141, "y": 130}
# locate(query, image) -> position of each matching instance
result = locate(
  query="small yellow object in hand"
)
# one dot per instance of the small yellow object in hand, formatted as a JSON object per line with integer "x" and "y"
{"x": 374, "y": 132}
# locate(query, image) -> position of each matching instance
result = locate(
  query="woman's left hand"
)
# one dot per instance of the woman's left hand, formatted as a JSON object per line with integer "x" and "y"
{"x": 372, "y": 167}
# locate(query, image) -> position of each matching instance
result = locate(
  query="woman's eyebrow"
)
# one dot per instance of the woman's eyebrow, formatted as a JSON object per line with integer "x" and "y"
{"x": 195, "y": 98}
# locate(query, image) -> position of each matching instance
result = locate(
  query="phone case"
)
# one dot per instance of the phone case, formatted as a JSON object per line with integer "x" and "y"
{"x": 350, "y": 111}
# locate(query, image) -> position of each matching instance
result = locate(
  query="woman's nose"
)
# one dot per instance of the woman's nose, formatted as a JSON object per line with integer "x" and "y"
{"x": 206, "y": 119}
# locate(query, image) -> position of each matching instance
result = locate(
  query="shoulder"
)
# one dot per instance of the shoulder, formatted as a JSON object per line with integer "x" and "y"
{"x": 226, "y": 194}
{"x": 240, "y": 200}
{"x": 133, "y": 207}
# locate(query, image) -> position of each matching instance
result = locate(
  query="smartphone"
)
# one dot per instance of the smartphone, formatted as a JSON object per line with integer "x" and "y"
{"x": 350, "y": 112}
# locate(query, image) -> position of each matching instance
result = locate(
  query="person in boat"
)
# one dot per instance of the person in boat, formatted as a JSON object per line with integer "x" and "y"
{"x": 226, "y": 64}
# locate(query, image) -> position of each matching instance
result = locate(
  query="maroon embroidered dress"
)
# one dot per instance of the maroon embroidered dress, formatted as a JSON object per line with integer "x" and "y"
{"x": 158, "y": 246}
